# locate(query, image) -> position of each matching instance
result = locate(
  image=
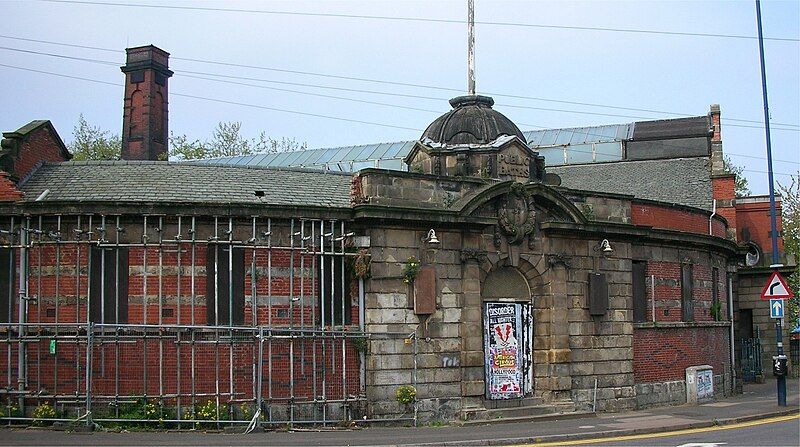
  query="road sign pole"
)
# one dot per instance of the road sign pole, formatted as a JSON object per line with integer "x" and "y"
{"x": 781, "y": 378}
{"x": 774, "y": 226}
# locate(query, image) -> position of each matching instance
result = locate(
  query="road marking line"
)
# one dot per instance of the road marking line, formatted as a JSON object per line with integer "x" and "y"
{"x": 665, "y": 434}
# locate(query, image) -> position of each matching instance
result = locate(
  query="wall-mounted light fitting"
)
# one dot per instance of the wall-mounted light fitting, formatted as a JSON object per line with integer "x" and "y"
{"x": 604, "y": 247}
{"x": 431, "y": 238}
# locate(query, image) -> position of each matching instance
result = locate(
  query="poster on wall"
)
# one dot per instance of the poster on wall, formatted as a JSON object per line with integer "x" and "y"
{"x": 705, "y": 384}
{"x": 504, "y": 350}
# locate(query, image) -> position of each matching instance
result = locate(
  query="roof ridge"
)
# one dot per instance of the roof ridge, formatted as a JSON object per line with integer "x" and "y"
{"x": 259, "y": 168}
{"x": 187, "y": 163}
{"x": 577, "y": 127}
{"x": 620, "y": 162}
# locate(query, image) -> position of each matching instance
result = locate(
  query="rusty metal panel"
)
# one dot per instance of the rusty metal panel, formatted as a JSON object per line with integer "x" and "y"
{"x": 109, "y": 285}
{"x": 687, "y": 279}
{"x": 639, "y": 291}
{"x": 222, "y": 307}
{"x": 425, "y": 291}
{"x": 598, "y": 294}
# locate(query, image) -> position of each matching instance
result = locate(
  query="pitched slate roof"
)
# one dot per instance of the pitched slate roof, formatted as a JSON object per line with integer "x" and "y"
{"x": 181, "y": 183}
{"x": 685, "y": 181}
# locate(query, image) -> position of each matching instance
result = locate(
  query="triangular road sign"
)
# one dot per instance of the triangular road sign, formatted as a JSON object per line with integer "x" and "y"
{"x": 776, "y": 288}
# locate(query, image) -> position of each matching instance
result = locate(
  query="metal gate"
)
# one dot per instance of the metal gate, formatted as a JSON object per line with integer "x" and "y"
{"x": 751, "y": 351}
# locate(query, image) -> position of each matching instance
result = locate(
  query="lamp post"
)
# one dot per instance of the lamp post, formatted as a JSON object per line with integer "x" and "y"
{"x": 772, "y": 218}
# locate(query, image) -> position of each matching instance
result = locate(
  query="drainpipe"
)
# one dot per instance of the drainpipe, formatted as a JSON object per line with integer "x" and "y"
{"x": 362, "y": 356}
{"x": 711, "y": 217}
{"x": 22, "y": 306}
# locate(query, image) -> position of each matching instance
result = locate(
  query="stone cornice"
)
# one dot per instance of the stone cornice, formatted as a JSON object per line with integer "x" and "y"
{"x": 680, "y": 324}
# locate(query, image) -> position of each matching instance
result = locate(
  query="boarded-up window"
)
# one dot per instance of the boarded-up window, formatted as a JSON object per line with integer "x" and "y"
{"x": 598, "y": 294}
{"x": 715, "y": 293}
{"x": 639, "y": 291}
{"x": 7, "y": 268}
{"x": 108, "y": 288}
{"x": 225, "y": 286}
{"x": 334, "y": 291}
{"x": 687, "y": 279}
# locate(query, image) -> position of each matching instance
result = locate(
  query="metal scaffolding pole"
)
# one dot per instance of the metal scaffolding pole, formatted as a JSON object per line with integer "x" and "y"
{"x": 290, "y": 386}
{"x": 22, "y": 309}
{"x": 178, "y": 276}
{"x": 145, "y": 302}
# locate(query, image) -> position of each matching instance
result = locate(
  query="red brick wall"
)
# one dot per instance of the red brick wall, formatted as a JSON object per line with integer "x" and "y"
{"x": 662, "y": 354}
{"x": 8, "y": 190}
{"x": 667, "y": 277}
{"x": 131, "y": 365}
{"x": 729, "y": 213}
{"x": 723, "y": 187}
{"x": 755, "y": 218}
{"x": 69, "y": 285}
{"x": 666, "y": 217}
{"x": 40, "y": 145}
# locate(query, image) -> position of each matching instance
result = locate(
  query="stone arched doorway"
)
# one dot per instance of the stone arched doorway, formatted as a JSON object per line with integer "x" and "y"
{"x": 507, "y": 310}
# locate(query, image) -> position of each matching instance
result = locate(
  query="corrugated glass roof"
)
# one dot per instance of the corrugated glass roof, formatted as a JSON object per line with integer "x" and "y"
{"x": 577, "y": 135}
{"x": 569, "y": 145}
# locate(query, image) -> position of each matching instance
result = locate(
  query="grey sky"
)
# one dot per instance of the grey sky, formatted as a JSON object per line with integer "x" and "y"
{"x": 659, "y": 72}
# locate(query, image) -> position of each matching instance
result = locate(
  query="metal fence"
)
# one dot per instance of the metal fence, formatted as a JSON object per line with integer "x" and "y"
{"x": 182, "y": 375}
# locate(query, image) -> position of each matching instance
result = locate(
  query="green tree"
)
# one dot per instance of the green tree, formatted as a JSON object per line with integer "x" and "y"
{"x": 227, "y": 141}
{"x": 91, "y": 143}
{"x": 740, "y": 187}
{"x": 790, "y": 218}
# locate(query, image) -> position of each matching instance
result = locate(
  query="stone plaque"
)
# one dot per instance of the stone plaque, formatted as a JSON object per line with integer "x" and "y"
{"x": 513, "y": 165}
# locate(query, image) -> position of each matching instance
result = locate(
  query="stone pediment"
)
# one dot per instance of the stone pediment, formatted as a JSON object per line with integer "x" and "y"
{"x": 519, "y": 207}
{"x": 506, "y": 158}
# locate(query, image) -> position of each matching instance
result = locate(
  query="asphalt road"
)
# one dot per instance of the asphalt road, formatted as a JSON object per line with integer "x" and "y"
{"x": 777, "y": 432}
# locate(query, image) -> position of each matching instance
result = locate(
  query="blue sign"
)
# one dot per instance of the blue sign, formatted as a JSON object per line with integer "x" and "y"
{"x": 776, "y": 307}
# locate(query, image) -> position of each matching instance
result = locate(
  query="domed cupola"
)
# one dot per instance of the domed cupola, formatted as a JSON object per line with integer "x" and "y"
{"x": 474, "y": 140}
{"x": 471, "y": 122}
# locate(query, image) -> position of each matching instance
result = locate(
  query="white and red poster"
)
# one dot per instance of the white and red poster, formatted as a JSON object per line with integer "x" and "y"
{"x": 504, "y": 350}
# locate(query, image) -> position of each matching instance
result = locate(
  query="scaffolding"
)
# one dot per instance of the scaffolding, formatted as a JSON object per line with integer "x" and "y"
{"x": 182, "y": 320}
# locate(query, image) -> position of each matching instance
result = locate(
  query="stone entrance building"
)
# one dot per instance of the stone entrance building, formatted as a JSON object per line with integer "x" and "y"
{"x": 574, "y": 273}
{"x": 479, "y": 276}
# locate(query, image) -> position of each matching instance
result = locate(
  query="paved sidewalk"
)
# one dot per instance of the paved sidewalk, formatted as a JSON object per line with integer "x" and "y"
{"x": 757, "y": 401}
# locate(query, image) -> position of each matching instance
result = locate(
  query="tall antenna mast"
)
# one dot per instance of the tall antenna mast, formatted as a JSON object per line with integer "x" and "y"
{"x": 471, "y": 47}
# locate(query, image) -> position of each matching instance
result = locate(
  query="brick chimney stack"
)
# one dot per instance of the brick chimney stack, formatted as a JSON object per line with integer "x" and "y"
{"x": 717, "y": 161}
{"x": 145, "y": 130}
